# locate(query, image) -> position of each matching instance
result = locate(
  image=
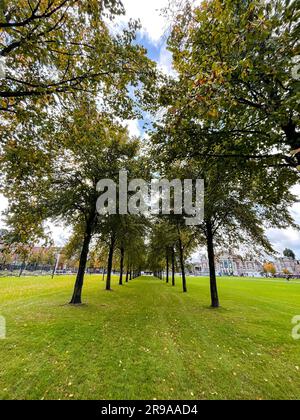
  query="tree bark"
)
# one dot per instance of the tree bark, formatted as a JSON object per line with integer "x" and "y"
{"x": 167, "y": 263}
{"x": 182, "y": 265}
{"x": 127, "y": 276}
{"x": 173, "y": 267}
{"x": 76, "y": 298}
{"x": 293, "y": 137}
{"x": 212, "y": 269}
{"x": 23, "y": 266}
{"x": 55, "y": 266}
{"x": 110, "y": 263}
{"x": 122, "y": 266}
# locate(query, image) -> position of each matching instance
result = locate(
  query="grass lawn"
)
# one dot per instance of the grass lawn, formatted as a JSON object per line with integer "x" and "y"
{"x": 147, "y": 340}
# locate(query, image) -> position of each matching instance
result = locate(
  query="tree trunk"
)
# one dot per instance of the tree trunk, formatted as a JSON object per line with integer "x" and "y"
{"x": 122, "y": 266}
{"x": 173, "y": 267}
{"x": 23, "y": 266}
{"x": 293, "y": 137}
{"x": 76, "y": 298}
{"x": 55, "y": 266}
{"x": 130, "y": 275}
{"x": 167, "y": 267}
{"x": 167, "y": 261}
{"x": 110, "y": 263}
{"x": 53, "y": 271}
{"x": 182, "y": 266}
{"x": 212, "y": 270}
{"x": 127, "y": 276}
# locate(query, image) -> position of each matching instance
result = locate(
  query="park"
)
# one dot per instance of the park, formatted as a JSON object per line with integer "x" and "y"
{"x": 149, "y": 201}
{"x": 147, "y": 340}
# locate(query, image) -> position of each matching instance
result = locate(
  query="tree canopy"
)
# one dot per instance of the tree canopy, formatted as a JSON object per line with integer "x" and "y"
{"x": 228, "y": 115}
{"x": 235, "y": 64}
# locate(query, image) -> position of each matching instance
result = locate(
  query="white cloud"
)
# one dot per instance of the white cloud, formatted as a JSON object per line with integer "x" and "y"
{"x": 60, "y": 233}
{"x": 133, "y": 127}
{"x": 149, "y": 12}
{"x": 288, "y": 238}
{"x": 165, "y": 61}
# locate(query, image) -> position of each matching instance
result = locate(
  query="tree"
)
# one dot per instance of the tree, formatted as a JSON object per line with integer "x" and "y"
{"x": 223, "y": 53}
{"x": 270, "y": 268}
{"x": 156, "y": 248}
{"x": 237, "y": 212}
{"x": 173, "y": 266}
{"x": 124, "y": 232}
{"x": 137, "y": 256}
{"x": 108, "y": 233}
{"x": 186, "y": 243}
{"x": 168, "y": 234}
{"x": 98, "y": 256}
{"x": 289, "y": 253}
{"x": 23, "y": 232}
{"x": 44, "y": 256}
{"x": 57, "y": 52}
{"x": 131, "y": 239}
{"x": 54, "y": 48}
{"x": 235, "y": 74}
{"x": 162, "y": 239}
{"x": 241, "y": 197}
{"x": 89, "y": 147}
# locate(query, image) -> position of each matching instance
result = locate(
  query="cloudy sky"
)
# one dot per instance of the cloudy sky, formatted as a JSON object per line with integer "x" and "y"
{"x": 153, "y": 37}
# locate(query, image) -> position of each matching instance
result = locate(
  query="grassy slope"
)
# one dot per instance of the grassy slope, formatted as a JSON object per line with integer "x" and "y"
{"x": 148, "y": 340}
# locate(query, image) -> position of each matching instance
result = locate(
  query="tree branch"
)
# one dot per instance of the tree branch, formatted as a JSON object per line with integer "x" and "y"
{"x": 34, "y": 16}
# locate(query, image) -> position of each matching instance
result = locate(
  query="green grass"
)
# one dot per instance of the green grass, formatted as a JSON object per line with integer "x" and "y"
{"x": 147, "y": 340}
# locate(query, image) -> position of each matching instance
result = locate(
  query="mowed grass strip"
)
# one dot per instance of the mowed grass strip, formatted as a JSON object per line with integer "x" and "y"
{"x": 148, "y": 340}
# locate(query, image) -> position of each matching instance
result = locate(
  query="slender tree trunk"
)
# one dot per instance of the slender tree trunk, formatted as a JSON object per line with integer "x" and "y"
{"x": 76, "y": 298}
{"x": 173, "y": 267}
{"x": 53, "y": 271}
{"x": 130, "y": 275}
{"x": 167, "y": 263}
{"x": 182, "y": 266}
{"x": 122, "y": 266}
{"x": 22, "y": 268}
{"x": 127, "y": 276}
{"x": 110, "y": 263}
{"x": 212, "y": 270}
{"x": 55, "y": 266}
{"x": 103, "y": 277}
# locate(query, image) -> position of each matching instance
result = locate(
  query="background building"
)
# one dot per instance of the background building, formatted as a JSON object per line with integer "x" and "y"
{"x": 229, "y": 264}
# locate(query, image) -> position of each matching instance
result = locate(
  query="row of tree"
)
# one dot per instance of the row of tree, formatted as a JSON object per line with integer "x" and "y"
{"x": 230, "y": 116}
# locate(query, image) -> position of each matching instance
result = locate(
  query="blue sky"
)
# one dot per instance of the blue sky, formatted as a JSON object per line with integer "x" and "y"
{"x": 152, "y": 48}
